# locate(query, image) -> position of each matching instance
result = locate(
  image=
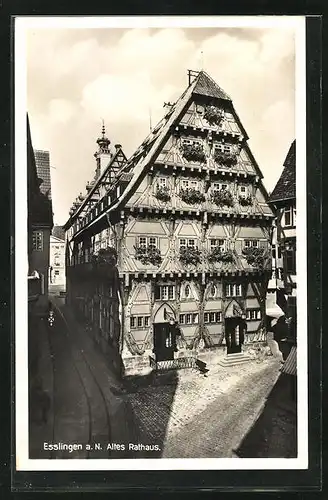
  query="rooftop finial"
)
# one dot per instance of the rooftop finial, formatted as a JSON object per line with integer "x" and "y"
{"x": 103, "y": 142}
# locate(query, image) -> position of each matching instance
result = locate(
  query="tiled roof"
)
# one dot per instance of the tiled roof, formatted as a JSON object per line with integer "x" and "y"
{"x": 290, "y": 365}
{"x": 206, "y": 86}
{"x": 42, "y": 161}
{"x": 58, "y": 232}
{"x": 286, "y": 185}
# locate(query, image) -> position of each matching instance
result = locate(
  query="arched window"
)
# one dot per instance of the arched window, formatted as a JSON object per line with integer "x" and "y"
{"x": 187, "y": 291}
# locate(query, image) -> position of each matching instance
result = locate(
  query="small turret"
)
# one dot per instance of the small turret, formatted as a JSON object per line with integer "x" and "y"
{"x": 103, "y": 155}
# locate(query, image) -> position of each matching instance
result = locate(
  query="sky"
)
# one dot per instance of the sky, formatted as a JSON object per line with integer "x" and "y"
{"x": 78, "y": 77}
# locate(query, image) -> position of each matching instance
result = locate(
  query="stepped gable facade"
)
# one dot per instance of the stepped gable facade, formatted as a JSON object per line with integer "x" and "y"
{"x": 188, "y": 218}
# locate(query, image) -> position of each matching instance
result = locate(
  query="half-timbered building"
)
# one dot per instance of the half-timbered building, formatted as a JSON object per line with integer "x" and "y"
{"x": 188, "y": 217}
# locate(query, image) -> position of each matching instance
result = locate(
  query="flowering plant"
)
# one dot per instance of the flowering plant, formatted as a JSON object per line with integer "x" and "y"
{"x": 193, "y": 152}
{"x": 245, "y": 201}
{"x": 222, "y": 197}
{"x": 191, "y": 196}
{"x": 213, "y": 115}
{"x": 190, "y": 255}
{"x": 217, "y": 255}
{"x": 226, "y": 159}
{"x": 148, "y": 255}
{"x": 163, "y": 193}
{"x": 255, "y": 257}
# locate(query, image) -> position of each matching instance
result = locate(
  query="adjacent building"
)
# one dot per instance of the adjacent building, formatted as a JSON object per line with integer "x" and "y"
{"x": 40, "y": 222}
{"x": 188, "y": 217}
{"x": 283, "y": 203}
{"x": 57, "y": 276}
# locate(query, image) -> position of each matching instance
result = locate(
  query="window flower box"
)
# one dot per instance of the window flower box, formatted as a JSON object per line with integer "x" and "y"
{"x": 103, "y": 263}
{"x": 148, "y": 255}
{"x": 213, "y": 115}
{"x": 222, "y": 197}
{"x": 190, "y": 256}
{"x": 245, "y": 201}
{"x": 191, "y": 196}
{"x": 163, "y": 193}
{"x": 255, "y": 257}
{"x": 217, "y": 255}
{"x": 227, "y": 159}
{"x": 193, "y": 152}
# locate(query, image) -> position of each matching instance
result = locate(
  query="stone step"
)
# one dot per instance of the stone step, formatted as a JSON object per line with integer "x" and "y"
{"x": 231, "y": 361}
{"x": 236, "y": 355}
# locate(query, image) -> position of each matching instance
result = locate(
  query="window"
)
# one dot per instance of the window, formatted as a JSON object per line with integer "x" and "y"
{"x": 223, "y": 148}
{"x": 233, "y": 290}
{"x": 139, "y": 321}
{"x": 212, "y": 317}
{"x": 183, "y": 243}
{"x": 212, "y": 291}
{"x": 189, "y": 319}
{"x": 290, "y": 216}
{"x": 142, "y": 241}
{"x": 162, "y": 182}
{"x": 253, "y": 314}
{"x": 217, "y": 243}
{"x": 37, "y": 241}
{"x": 152, "y": 241}
{"x": 243, "y": 191}
{"x": 165, "y": 292}
{"x": 187, "y": 291}
{"x": 290, "y": 260}
{"x": 219, "y": 185}
{"x": 145, "y": 241}
{"x": 251, "y": 243}
{"x": 57, "y": 273}
{"x": 185, "y": 184}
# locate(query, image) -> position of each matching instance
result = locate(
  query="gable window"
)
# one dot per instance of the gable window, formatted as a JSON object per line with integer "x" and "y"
{"x": 233, "y": 290}
{"x": 212, "y": 292}
{"x": 37, "y": 241}
{"x": 165, "y": 292}
{"x": 187, "y": 291}
{"x": 251, "y": 243}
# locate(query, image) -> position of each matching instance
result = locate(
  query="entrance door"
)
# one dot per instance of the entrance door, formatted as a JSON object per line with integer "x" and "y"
{"x": 233, "y": 334}
{"x": 163, "y": 342}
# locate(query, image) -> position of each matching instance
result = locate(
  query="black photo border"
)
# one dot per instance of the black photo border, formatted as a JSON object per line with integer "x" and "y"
{"x": 167, "y": 481}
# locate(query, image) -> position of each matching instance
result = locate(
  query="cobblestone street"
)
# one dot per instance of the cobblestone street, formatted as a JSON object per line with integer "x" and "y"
{"x": 206, "y": 417}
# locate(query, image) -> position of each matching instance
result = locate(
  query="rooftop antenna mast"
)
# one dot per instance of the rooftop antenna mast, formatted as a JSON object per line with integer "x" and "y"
{"x": 202, "y": 61}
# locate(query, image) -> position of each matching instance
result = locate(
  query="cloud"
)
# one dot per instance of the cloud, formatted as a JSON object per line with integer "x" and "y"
{"x": 77, "y": 77}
